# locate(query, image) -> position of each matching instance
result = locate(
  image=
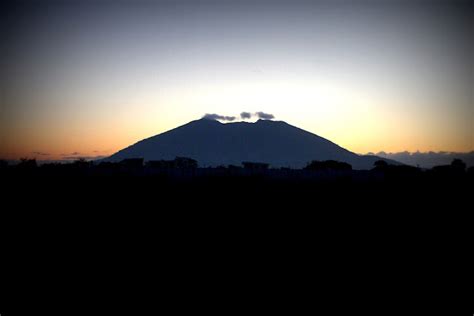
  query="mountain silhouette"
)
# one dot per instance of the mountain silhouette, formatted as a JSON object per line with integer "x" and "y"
{"x": 213, "y": 143}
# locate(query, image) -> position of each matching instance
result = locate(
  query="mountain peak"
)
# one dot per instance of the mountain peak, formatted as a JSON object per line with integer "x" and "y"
{"x": 213, "y": 143}
{"x": 259, "y": 121}
{"x": 265, "y": 121}
{"x": 207, "y": 120}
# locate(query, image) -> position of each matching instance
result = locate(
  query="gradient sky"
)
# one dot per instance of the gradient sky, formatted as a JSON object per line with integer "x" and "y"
{"x": 89, "y": 78}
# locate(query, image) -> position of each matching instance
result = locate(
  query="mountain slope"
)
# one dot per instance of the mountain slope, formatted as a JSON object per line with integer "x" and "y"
{"x": 213, "y": 143}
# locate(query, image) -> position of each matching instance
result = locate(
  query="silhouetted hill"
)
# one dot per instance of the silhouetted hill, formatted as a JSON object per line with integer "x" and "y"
{"x": 212, "y": 143}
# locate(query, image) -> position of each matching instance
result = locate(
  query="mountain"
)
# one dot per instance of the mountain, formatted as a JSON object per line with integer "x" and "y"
{"x": 213, "y": 143}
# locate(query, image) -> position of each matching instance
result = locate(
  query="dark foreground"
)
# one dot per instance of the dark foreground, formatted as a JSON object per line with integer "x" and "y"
{"x": 384, "y": 241}
{"x": 138, "y": 187}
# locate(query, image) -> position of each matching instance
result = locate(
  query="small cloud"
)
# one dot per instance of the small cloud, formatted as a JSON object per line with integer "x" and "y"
{"x": 83, "y": 157}
{"x": 40, "y": 153}
{"x": 75, "y": 153}
{"x": 265, "y": 116}
{"x": 97, "y": 151}
{"x": 216, "y": 117}
{"x": 245, "y": 115}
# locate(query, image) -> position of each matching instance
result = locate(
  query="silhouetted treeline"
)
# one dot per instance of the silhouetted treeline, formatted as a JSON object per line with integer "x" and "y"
{"x": 328, "y": 165}
{"x": 182, "y": 168}
{"x": 134, "y": 186}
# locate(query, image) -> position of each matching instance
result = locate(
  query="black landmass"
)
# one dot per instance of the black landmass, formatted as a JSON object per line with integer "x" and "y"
{"x": 237, "y": 184}
{"x": 171, "y": 223}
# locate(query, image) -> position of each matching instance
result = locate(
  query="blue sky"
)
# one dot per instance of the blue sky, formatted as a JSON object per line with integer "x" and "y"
{"x": 96, "y": 76}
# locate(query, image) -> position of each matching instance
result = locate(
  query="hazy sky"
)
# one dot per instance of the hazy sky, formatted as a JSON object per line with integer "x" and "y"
{"x": 89, "y": 78}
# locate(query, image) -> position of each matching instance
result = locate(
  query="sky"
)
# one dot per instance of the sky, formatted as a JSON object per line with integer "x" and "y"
{"x": 87, "y": 78}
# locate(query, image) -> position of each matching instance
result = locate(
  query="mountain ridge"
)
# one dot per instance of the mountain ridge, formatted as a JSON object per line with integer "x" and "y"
{"x": 213, "y": 143}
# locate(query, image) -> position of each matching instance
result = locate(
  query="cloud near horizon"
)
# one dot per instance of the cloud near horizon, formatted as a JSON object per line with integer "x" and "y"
{"x": 73, "y": 158}
{"x": 75, "y": 153}
{"x": 428, "y": 159}
{"x": 40, "y": 153}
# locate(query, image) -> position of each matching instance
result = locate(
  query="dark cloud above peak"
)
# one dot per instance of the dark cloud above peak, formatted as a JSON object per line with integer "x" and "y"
{"x": 260, "y": 115}
{"x": 217, "y": 117}
{"x": 245, "y": 115}
{"x": 265, "y": 116}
